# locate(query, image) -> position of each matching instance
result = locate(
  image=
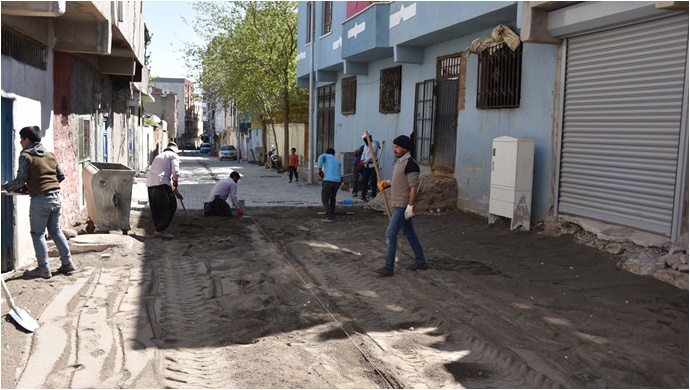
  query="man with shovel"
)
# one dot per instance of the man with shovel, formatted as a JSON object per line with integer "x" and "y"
{"x": 404, "y": 183}
{"x": 41, "y": 175}
{"x": 162, "y": 188}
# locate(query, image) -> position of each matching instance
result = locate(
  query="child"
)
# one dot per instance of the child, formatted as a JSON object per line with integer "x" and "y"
{"x": 293, "y": 163}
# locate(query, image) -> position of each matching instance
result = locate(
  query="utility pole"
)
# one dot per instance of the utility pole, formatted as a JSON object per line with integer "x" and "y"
{"x": 312, "y": 96}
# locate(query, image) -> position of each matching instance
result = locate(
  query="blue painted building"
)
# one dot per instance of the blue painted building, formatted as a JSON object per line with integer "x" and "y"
{"x": 432, "y": 69}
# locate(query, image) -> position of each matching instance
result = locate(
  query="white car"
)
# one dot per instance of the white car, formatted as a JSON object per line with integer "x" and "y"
{"x": 227, "y": 152}
{"x": 205, "y": 147}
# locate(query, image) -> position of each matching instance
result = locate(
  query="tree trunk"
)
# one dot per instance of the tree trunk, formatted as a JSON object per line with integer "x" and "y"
{"x": 264, "y": 142}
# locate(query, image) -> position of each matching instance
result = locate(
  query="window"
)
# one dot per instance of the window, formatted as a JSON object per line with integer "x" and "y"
{"x": 389, "y": 96}
{"x": 423, "y": 121}
{"x": 24, "y": 49}
{"x": 310, "y": 6}
{"x": 349, "y": 95}
{"x": 500, "y": 70}
{"x": 327, "y": 16}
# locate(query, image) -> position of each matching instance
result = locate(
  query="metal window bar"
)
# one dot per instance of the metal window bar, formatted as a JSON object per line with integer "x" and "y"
{"x": 349, "y": 95}
{"x": 448, "y": 67}
{"x": 24, "y": 49}
{"x": 500, "y": 71}
{"x": 327, "y": 16}
{"x": 391, "y": 88}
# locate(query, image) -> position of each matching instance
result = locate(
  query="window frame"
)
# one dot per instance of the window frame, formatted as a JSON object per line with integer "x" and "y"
{"x": 310, "y": 9}
{"x": 348, "y": 95}
{"x": 390, "y": 90}
{"x": 499, "y": 74}
{"x": 327, "y": 23}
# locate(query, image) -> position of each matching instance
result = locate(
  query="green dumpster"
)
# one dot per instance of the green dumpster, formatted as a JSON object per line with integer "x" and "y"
{"x": 108, "y": 190}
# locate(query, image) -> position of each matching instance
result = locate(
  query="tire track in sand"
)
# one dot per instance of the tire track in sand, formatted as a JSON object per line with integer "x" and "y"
{"x": 409, "y": 333}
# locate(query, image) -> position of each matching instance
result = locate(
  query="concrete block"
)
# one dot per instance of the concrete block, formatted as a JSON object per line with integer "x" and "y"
{"x": 677, "y": 249}
{"x": 674, "y": 258}
{"x": 684, "y": 258}
{"x": 660, "y": 265}
{"x": 683, "y": 268}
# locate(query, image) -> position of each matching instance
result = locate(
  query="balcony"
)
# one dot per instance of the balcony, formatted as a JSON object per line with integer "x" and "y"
{"x": 365, "y": 35}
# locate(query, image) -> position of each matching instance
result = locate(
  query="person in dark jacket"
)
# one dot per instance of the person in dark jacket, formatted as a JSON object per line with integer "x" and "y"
{"x": 40, "y": 175}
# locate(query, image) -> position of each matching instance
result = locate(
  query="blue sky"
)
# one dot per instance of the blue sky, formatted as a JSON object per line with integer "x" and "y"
{"x": 164, "y": 21}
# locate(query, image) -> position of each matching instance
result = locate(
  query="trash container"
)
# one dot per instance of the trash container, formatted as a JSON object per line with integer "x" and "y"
{"x": 108, "y": 190}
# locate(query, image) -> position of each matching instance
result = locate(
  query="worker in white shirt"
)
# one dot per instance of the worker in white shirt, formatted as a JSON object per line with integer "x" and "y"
{"x": 162, "y": 187}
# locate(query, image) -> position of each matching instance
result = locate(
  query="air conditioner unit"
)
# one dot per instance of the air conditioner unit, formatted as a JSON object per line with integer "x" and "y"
{"x": 512, "y": 162}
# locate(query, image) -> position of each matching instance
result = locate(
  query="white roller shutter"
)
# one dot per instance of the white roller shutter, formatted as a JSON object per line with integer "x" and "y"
{"x": 622, "y": 121}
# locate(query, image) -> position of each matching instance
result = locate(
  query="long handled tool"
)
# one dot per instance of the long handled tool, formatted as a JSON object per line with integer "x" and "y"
{"x": 19, "y": 315}
{"x": 179, "y": 196}
{"x": 398, "y": 244}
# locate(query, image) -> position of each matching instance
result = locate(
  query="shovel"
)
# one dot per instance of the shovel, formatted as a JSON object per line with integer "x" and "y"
{"x": 20, "y": 316}
{"x": 189, "y": 218}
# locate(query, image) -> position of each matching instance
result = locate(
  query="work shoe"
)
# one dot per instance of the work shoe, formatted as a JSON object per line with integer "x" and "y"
{"x": 66, "y": 268}
{"x": 327, "y": 220}
{"x": 416, "y": 266}
{"x": 290, "y": 181}
{"x": 163, "y": 235}
{"x": 383, "y": 271}
{"x": 39, "y": 273}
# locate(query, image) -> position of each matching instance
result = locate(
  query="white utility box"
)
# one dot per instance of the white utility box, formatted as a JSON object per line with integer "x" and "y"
{"x": 512, "y": 161}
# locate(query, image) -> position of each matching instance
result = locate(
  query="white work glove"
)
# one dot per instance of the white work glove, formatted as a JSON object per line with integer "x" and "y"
{"x": 408, "y": 212}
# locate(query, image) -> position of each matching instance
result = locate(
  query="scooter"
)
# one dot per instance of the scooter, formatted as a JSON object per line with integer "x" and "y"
{"x": 273, "y": 161}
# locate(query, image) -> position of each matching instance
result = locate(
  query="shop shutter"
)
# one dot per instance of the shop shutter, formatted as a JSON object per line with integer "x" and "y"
{"x": 621, "y": 125}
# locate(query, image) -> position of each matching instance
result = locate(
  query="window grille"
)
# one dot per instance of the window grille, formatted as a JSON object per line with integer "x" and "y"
{"x": 24, "y": 49}
{"x": 448, "y": 67}
{"x": 310, "y": 6}
{"x": 500, "y": 70}
{"x": 327, "y": 16}
{"x": 327, "y": 96}
{"x": 423, "y": 121}
{"x": 349, "y": 95}
{"x": 389, "y": 96}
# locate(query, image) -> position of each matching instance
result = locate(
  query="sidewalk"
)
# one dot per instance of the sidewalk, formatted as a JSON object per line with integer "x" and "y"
{"x": 259, "y": 187}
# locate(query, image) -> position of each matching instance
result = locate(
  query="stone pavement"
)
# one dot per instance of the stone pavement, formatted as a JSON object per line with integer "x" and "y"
{"x": 259, "y": 187}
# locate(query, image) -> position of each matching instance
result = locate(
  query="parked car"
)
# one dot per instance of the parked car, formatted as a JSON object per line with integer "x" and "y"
{"x": 205, "y": 147}
{"x": 227, "y": 152}
{"x": 189, "y": 146}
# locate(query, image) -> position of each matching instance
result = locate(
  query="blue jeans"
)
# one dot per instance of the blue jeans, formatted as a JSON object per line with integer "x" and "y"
{"x": 44, "y": 212}
{"x": 396, "y": 223}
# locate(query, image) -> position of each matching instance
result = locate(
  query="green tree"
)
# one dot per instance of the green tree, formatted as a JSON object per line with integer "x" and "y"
{"x": 249, "y": 58}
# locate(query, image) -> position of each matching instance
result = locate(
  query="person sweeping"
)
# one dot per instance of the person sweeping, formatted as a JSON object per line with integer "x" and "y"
{"x": 403, "y": 183}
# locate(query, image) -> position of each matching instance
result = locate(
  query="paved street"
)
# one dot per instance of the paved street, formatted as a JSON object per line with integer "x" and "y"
{"x": 259, "y": 187}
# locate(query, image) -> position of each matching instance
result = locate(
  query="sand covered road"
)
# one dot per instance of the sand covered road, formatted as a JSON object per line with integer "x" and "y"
{"x": 280, "y": 300}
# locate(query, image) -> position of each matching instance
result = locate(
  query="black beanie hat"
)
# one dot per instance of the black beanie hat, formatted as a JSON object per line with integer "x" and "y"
{"x": 32, "y": 133}
{"x": 403, "y": 141}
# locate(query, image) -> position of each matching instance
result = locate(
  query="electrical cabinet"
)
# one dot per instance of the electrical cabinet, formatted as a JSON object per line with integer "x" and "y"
{"x": 512, "y": 162}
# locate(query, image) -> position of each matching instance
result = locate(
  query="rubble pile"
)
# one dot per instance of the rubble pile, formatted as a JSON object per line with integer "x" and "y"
{"x": 676, "y": 258}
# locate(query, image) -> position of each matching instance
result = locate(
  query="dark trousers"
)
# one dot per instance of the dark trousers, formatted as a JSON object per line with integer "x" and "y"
{"x": 356, "y": 176}
{"x": 329, "y": 189}
{"x": 368, "y": 179}
{"x": 293, "y": 170}
{"x": 217, "y": 207}
{"x": 163, "y": 206}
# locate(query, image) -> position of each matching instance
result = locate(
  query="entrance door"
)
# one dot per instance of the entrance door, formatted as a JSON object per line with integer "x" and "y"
{"x": 423, "y": 121}
{"x": 325, "y": 130}
{"x": 446, "y": 131}
{"x": 7, "y": 200}
{"x": 448, "y": 73}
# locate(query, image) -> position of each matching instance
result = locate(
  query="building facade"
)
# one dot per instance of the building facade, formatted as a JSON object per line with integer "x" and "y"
{"x": 189, "y": 109}
{"x": 75, "y": 69}
{"x": 457, "y": 75}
